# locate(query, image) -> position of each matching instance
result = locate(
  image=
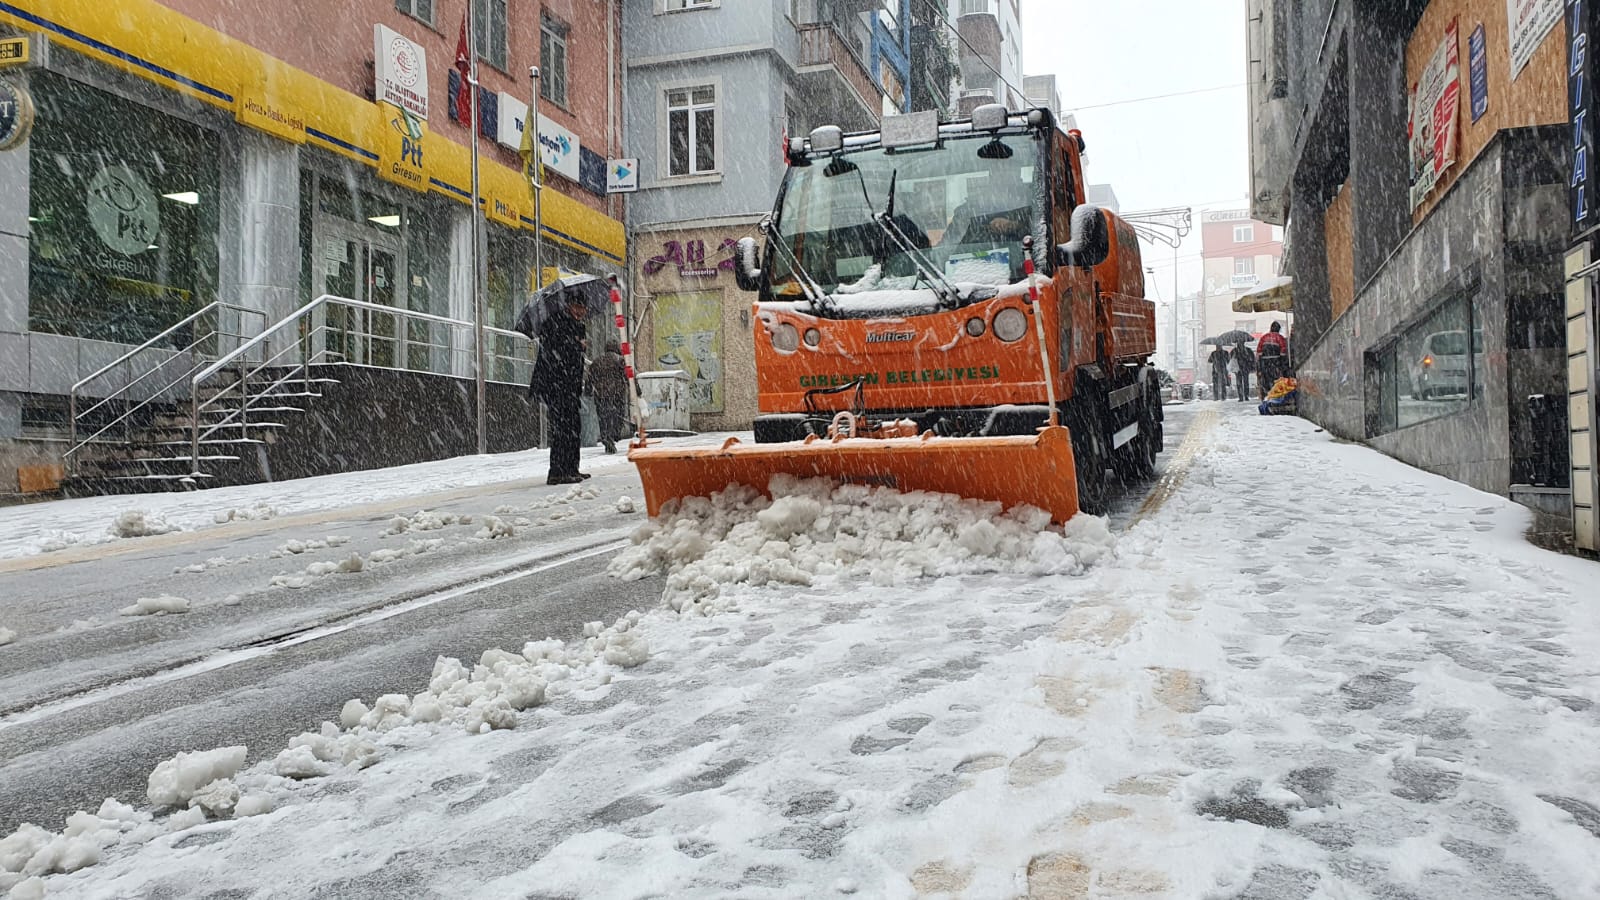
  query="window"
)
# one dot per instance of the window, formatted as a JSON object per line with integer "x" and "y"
{"x": 123, "y": 213}
{"x": 489, "y": 31}
{"x": 1430, "y": 371}
{"x": 553, "y": 61}
{"x": 692, "y": 130}
{"x": 971, "y": 7}
{"x": 1244, "y": 265}
{"x": 675, "y": 5}
{"x": 421, "y": 10}
{"x": 1244, "y": 234}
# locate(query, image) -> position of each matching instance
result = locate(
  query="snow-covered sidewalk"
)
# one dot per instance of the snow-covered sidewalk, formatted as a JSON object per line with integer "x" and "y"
{"x": 1311, "y": 672}
{"x": 56, "y": 525}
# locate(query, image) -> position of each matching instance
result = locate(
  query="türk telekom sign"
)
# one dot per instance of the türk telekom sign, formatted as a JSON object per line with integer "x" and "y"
{"x": 1583, "y": 108}
{"x": 400, "y": 71}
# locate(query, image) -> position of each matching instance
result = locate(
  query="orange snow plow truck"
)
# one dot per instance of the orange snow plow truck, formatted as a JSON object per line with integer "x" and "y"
{"x": 939, "y": 309}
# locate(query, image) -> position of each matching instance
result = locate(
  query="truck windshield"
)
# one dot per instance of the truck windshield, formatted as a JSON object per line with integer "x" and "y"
{"x": 965, "y": 205}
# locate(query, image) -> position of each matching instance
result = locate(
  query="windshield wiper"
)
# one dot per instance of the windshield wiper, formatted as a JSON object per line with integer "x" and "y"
{"x": 819, "y": 298}
{"x": 949, "y": 295}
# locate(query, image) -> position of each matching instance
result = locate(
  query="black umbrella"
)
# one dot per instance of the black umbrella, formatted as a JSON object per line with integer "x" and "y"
{"x": 593, "y": 292}
{"x": 1235, "y": 337}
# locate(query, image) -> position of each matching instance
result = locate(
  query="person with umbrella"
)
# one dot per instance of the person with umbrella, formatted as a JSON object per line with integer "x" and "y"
{"x": 1219, "y": 372}
{"x": 1245, "y": 361}
{"x": 558, "y": 382}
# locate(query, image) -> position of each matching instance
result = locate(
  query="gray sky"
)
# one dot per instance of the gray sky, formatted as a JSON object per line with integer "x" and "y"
{"x": 1182, "y": 151}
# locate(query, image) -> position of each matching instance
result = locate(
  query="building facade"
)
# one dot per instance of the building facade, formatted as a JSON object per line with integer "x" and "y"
{"x": 1418, "y": 154}
{"x": 187, "y": 152}
{"x": 990, "y": 51}
{"x": 712, "y": 90}
{"x": 1241, "y": 254}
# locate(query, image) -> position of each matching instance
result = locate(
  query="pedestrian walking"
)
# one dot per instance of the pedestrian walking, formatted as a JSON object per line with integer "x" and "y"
{"x": 1274, "y": 357}
{"x": 558, "y": 383}
{"x": 1219, "y": 373}
{"x": 1245, "y": 361}
{"x": 608, "y": 383}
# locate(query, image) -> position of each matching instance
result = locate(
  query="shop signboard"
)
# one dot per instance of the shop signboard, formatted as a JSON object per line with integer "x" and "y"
{"x": 1435, "y": 102}
{"x": 688, "y": 336}
{"x": 1582, "y": 112}
{"x": 14, "y": 51}
{"x": 1530, "y": 23}
{"x": 1478, "y": 64}
{"x": 558, "y": 146}
{"x": 401, "y": 159}
{"x": 16, "y": 114}
{"x": 401, "y": 71}
{"x": 622, "y": 176}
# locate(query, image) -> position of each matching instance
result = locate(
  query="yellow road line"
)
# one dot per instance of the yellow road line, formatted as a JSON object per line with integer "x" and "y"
{"x": 257, "y": 526}
{"x": 1178, "y": 467}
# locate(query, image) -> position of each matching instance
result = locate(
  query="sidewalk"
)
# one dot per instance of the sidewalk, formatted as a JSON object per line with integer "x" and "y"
{"x": 1307, "y": 670}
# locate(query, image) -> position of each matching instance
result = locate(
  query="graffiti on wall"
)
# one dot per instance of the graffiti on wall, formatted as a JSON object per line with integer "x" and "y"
{"x": 688, "y": 336}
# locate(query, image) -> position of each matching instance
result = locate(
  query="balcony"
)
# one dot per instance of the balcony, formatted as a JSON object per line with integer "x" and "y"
{"x": 835, "y": 83}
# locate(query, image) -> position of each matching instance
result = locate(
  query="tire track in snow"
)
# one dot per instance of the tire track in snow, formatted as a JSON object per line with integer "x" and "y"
{"x": 1178, "y": 467}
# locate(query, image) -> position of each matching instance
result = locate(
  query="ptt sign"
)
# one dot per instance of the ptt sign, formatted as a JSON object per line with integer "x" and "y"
{"x": 400, "y": 156}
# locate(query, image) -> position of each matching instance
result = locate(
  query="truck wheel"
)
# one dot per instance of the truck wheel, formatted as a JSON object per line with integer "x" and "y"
{"x": 1090, "y": 459}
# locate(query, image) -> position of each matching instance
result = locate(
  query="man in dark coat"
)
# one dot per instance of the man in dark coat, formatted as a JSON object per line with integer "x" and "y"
{"x": 608, "y": 382}
{"x": 558, "y": 382}
{"x": 1245, "y": 360}
{"x": 1219, "y": 373}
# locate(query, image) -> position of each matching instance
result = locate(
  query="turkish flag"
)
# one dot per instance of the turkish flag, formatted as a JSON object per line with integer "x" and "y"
{"x": 463, "y": 84}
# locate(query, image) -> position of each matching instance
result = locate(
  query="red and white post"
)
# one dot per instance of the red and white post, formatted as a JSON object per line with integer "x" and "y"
{"x": 626, "y": 348}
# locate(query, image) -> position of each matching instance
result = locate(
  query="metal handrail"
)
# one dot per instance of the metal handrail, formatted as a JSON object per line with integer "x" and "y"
{"x": 73, "y": 413}
{"x": 306, "y": 341}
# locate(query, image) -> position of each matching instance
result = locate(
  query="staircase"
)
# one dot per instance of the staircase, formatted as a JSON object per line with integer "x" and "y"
{"x": 199, "y": 404}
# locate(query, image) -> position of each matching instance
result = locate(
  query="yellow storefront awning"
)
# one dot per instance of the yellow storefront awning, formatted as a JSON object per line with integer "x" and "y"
{"x": 161, "y": 45}
{"x": 1275, "y": 295}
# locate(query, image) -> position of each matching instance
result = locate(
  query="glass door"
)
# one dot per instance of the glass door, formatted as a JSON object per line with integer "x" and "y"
{"x": 360, "y": 265}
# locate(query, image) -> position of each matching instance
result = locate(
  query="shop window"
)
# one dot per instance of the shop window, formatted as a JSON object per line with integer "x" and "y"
{"x": 553, "y": 61}
{"x": 692, "y": 130}
{"x": 489, "y": 31}
{"x": 688, "y": 336}
{"x": 1434, "y": 369}
{"x": 122, "y": 214}
{"x": 421, "y": 10}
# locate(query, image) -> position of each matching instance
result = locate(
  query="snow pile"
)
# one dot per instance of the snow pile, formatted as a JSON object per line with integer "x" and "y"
{"x": 390, "y": 554}
{"x": 813, "y": 530}
{"x": 7, "y": 636}
{"x": 132, "y": 523}
{"x": 245, "y": 514}
{"x": 156, "y": 606}
{"x": 177, "y": 780}
{"x": 314, "y": 754}
{"x": 297, "y": 547}
{"x": 423, "y": 520}
{"x": 625, "y": 504}
{"x": 495, "y": 527}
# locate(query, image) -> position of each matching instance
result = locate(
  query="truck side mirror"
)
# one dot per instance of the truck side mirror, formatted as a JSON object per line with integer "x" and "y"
{"x": 746, "y": 264}
{"x": 1091, "y": 239}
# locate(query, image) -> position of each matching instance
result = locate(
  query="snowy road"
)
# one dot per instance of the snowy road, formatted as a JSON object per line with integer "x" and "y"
{"x": 91, "y": 699}
{"x": 1297, "y": 670}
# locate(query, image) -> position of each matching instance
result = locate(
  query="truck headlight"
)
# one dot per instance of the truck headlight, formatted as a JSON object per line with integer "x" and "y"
{"x": 1010, "y": 324}
{"x": 786, "y": 338}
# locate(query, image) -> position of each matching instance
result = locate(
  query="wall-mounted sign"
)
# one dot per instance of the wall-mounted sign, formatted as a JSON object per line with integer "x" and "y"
{"x": 1435, "y": 104}
{"x": 16, "y": 114}
{"x": 400, "y": 156}
{"x": 123, "y": 210}
{"x": 1233, "y": 215}
{"x": 622, "y": 176}
{"x": 13, "y": 51}
{"x": 1583, "y": 110}
{"x": 690, "y": 258}
{"x": 558, "y": 146}
{"x": 1478, "y": 65}
{"x": 401, "y": 71}
{"x": 1530, "y": 21}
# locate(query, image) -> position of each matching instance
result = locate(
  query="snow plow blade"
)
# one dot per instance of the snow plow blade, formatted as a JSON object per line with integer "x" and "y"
{"x": 1035, "y": 470}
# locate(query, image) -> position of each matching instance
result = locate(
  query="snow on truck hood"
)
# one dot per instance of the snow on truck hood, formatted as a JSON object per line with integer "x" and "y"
{"x": 895, "y": 295}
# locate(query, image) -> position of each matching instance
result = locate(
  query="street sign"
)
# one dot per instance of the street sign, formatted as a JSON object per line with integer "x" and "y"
{"x": 622, "y": 176}
{"x": 16, "y": 114}
{"x": 13, "y": 51}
